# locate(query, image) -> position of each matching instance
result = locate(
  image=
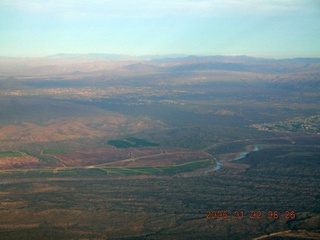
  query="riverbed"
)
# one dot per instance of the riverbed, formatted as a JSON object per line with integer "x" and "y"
{"x": 242, "y": 155}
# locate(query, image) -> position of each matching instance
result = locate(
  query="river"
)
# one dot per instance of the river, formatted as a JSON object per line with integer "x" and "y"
{"x": 219, "y": 163}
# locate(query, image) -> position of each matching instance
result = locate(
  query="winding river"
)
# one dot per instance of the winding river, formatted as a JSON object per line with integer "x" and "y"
{"x": 219, "y": 163}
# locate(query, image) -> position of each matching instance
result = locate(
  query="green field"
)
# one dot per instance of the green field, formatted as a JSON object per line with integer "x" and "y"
{"x": 131, "y": 142}
{"x": 53, "y": 151}
{"x": 25, "y": 151}
{"x": 110, "y": 172}
{"x": 9, "y": 154}
{"x": 161, "y": 170}
{"x": 66, "y": 173}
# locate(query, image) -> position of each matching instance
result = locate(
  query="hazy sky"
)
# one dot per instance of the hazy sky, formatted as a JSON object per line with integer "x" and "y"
{"x": 267, "y": 28}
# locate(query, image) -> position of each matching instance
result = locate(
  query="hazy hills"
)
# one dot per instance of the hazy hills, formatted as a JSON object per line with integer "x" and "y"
{"x": 106, "y": 63}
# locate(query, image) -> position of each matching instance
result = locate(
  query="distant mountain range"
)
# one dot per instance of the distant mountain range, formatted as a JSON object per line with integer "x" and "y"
{"x": 166, "y": 58}
{"x": 181, "y": 58}
{"x": 103, "y": 63}
{"x": 117, "y": 57}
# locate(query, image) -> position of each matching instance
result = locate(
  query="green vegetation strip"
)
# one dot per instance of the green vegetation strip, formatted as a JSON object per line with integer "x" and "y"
{"x": 25, "y": 151}
{"x": 166, "y": 170}
{"x": 109, "y": 172}
{"x": 53, "y": 151}
{"x": 131, "y": 142}
{"x": 10, "y": 154}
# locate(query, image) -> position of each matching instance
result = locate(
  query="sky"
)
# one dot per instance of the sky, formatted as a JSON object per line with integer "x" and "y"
{"x": 261, "y": 28}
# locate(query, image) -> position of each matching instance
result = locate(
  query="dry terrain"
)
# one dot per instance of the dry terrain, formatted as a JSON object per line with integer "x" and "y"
{"x": 175, "y": 148}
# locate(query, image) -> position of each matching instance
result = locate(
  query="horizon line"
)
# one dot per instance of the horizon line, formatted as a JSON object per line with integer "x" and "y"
{"x": 170, "y": 55}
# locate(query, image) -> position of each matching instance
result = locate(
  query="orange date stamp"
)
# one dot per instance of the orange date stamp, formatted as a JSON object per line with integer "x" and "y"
{"x": 253, "y": 214}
